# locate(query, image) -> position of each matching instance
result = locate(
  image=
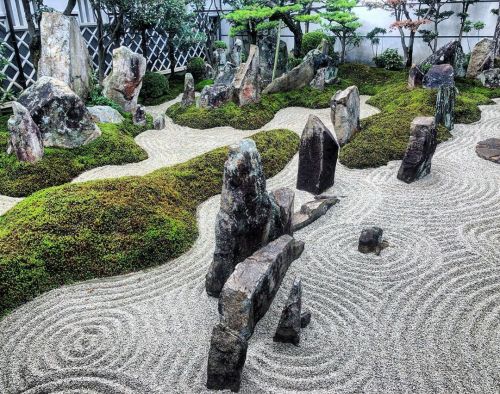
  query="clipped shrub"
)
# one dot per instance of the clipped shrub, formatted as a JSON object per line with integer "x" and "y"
{"x": 293, "y": 62}
{"x": 196, "y": 67}
{"x": 154, "y": 85}
{"x": 200, "y": 85}
{"x": 96, "y": 97}
{"x": 390, "y": 59}
{"x": 312, "y": 40}
{"x": 220, "y": 44}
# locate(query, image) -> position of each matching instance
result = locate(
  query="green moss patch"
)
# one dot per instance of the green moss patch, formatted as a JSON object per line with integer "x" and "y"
{"x": 95, "y": 229}
{"x": 59, "y": 165}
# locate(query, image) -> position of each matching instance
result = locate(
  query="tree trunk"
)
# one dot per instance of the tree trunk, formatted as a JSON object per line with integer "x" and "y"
{"x": 35, "y": 45}
{"x": 411, "y": 41}
{"x": 69, "y": 7}
{"x": 343, "y": 48}
{"x": 403, "y": 43}
{"x": 171, "y": 53}
{"x": 496, "y": 37}
{"x": 144, "y": 45}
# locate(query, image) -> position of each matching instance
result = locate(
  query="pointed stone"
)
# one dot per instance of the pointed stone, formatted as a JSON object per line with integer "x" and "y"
{"x": 451, "y": 53}
{"x": 290, "y": 323}
{"x": 445, "y": 106}
{"x": 246, "y": 82}
{"x": 282, "y": 206}
{"x": 481, "y": 58}
{"x": 318, "y": 155}
{"x": 267, "y": 52}
{"x": 236, "y": 52}
{"x": 188, "y": 97}
{"x": 139, "y": 117}
{"x": 345, "y": 110}
{"x": 305, "y": 319}
{"x": 25, "y": 137}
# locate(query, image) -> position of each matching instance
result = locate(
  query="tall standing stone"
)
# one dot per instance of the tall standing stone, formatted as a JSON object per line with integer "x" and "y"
{"x": 451, "y": 53}
{"x": 236, "y": 52}
{"x": 124, "y": 83}
{"x": 267, "y": 52}
{"x": 59, "y": 113}
{"x": 318, "y": 155}
{"x": 445, "y": 106}
{"x": 421, "y": 147}
{"x": 246, "y": 82}
{"x": 188, "y": 97}
{"x": 481, "y": 58}
{"x": 64, "y": 54}
{"x": 345, "y": 109}
{"x": 415, "y": 77}
{"x": 25, "y": 137}
{"x": 289, "y": 326}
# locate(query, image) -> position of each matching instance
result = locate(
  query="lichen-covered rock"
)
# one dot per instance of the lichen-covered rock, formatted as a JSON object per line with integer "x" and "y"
{"x": 289, "y": 326}
{"x": 445, "y": 106}
{"x": 226, "y": 74}
{"x": 267, "y": 50}
{"x": 345, "y": 109}
{"x": 220, "y": 59}
{"x": 312, "y": 211}
{"x": 481, "y": 57}
{"x": 236, "y": 52}
{"x": 418, "y": 156}
{"x": 139, "y": 117}
{"x": 370, "y": 240}
{"x": 318, "y": 155}
{"x": 451, "y": 53}
{"x": 440, "y": 75}
{"x": 124, "y": 83}
{"x": 415, "y": 77}
{"x": 489, "y": 149}
{"x": 25, "y": 137}
{"x": 490, "y": 78}
{"x": 214, "y": 96}
{"x": 59, "y": 113}
{"x": 246, "y": 82}
{"x": 64, "y": 54}
{"x": 251, "y": 288}
{"x": 226, "y": 359}
{"x": 105, "y": 114}
{"x": 159, "y": 122}
{"x": 188, "y": 96}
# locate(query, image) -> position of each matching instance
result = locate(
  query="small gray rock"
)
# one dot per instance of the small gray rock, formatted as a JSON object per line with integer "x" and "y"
{"x": 105, "y": 114}
{"x": 159, "y": 122}
{"x": 312, "y": 211}
{"x": 489, "y": 149}
{"x": 139, "y": 117}
{"x": 490, "y": 78}
{"x": 370, "y": 240}
{"x": 415, "y": 77}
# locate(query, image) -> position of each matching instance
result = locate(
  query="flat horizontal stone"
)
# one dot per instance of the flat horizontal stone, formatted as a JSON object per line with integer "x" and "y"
{"x": 312, "y": 211}
{"x": 489, "y": 149}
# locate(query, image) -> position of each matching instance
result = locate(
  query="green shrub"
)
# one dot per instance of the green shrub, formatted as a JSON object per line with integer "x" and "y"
{"x": 220, "y": 44}
{"x": 81, "y": 231}
{"x": 312, "y": 40}
{"x": 196, "y": 66}
{"x": 390, "y": 59}
{"x": 96, "y": 97}
{"x": 293, "y": 62}
{"x": 154, "y": 85}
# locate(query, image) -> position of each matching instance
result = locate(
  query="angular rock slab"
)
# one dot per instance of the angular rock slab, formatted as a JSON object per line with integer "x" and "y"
{"x": 105, "y": 114}
{"x": 370, "y": 240}
{"x": 345, "y": 110}
{"x": 246, "y": 82}
{"x": 290, "y": 323}
{"x": 490, "y": 78}
{"x": 418, "y": 156}
{"x": 440, "y": 75}
{"x": 267, "y": 48}
{"x": 188, "y": 96}
{"x": 312, "y": 211}
{"x": 324, "y": 76}
{"x": 64, "y": 54}
{"x": 59, "y": 113}
{"x": 481, "y": 57}
{"x": 215, "y": 96}
{"x": 318, "y": 155}
{"x": 25, "y": 137}
{"x": 242, "y": 225}
{"x": 451, "y": 53}
{"x": 226, "y": 359}
{"x": 415, "y": 77}
{"x": 124, "y": 83}
{"x": 250, "y": 290}
{"x": 445, "y": 106}
{"x": 282, "y": 201}
{"x": 489, "y": 149}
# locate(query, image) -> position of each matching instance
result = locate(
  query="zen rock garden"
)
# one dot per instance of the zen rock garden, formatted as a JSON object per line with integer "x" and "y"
{"x": 272, "y": 212}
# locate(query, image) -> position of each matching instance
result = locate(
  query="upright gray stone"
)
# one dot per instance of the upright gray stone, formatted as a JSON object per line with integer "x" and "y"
{"x": 246, "y": 82}
{"x": 236, "y": 52}
{"x": 423, "y": 141}
{"x": 226, "y": 74}
{"x": 124, "y": 83}
{"x": 370, "y": 240}
{"x": 159, "y": 122}
{"x": 445, "y": 106}
{"x": 25, "y": 137}
{"x": 451, "y": 53}
{"x": 188, "y": 97}
{"x": 105, "y": 114}
{"x": 481, "y": 58}
{"x": 59, "y": 113}
{"x": 220, "y": 59}
{"x": 318, "y": 155}
{"x": 490, "y": 78}
{"x": 215, "y": 96}
{"x": 267, "y": 52}
{"x": 139, "y": 117}
{"x": 282, "y": 201}
{"x": 415, "y": 77}
{"x": 345, "y": 110}
{"x": 289, "y": 326}
{"x": 440, "y": 75}
{"x": 64, "y": 54}
{"x": 324, "y": 47}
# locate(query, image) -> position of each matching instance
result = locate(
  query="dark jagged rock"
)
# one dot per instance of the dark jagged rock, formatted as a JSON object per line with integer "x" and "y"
{"x": 159, "y": 122}
{"x": 318, "y": 155}
{"x": 305, "y": 319}
{"x": 59, "y": 113}
{"x": 451, "y": 53}
{"x": 370, "y": 240}
{"x": 312, "y": 210}
{"x": 290, "y": 323}
{"x": 246, "y": 82}
{"x": 490, "y": 78}
{"x": 226, "y": 359}
{"x": 415, "y": 77}
{"x": 440, "y": 75}
{"x": 139, "y": 117}
{"x": 345, "y": 110}
{"x": 214, "y": 96}
{"x": 188, "y": 96}
{"x": 489, "y": 149}
{"x": 226, "y": 75}
{"x": 324, "y": 76}
{"x": 445, "y": 106}
{"x": 481, "y": 58}
{"x": 25, "y": 137}
{"x": 421, "y": 147}
{"x": 267, "y": 48}
{"x": 251, "y": 288}
{"x": 282, "y": 203}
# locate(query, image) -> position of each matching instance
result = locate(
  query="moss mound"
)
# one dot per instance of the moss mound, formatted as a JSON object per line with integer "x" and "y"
{"x": 115, "y": 146}
{"x": 95, "y": 229}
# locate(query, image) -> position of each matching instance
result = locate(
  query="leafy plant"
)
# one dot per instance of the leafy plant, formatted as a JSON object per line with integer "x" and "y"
{"x": 154, "y": 85}
{"x": 96, "y": 97}
{"x": 390, "y": 59}
{"x": 196, "y": 66}
{"x": 220, "y": 44}
{"x": 293, "y": 62}
{"x": 374, "y": 37}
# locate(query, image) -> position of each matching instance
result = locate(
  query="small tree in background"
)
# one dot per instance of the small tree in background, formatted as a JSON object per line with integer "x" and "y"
{"x": 463, "y": 16}
{"x": 374, "y": 37}
{"x": 435, "y": 13}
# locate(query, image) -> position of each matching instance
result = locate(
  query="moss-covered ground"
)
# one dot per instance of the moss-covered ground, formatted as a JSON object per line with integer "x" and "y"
{"x": 116, "y": 145}
{"x": 383, "y": 137}
{"x": 75, "y": 232}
